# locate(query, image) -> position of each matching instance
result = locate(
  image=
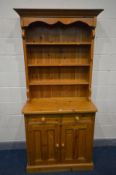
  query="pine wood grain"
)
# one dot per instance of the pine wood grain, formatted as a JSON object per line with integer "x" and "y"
{"x": 59, "y": 105}
{"x": 59, "y": 114}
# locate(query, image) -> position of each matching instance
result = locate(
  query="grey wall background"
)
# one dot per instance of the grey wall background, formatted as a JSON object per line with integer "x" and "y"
{"x": 12, "y": 76}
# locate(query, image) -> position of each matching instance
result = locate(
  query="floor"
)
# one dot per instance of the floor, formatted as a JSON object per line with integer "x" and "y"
{"x": 13, "y": 162}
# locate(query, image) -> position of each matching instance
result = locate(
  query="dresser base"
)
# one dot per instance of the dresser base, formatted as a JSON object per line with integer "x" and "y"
{"x": 60, "y": 167}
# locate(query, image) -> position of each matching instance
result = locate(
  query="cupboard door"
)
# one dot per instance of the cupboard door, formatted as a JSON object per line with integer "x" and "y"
{"x": 76, "y": 142}
{"x": 43, "y": 143}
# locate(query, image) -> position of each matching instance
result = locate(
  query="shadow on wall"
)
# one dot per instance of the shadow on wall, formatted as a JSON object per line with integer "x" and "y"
{"x": 102, "y": 41}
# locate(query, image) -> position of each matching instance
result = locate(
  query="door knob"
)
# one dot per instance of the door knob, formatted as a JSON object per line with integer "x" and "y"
{"x": 63, "y": 145}
{"x": 77, "y": 118}
{"x": 43, "y": 119}
{"x": 57, "y": 145}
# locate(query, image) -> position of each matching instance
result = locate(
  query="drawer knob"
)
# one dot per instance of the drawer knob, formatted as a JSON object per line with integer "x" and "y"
{"x": 43, "y": 119}
{"x": 57, "y": 145}
{"x": 63, "y": 145}
{"x": 77, "y": 118}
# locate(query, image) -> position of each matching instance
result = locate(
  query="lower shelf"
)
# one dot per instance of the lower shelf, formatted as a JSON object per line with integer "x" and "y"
{"x": 60, "y": 167}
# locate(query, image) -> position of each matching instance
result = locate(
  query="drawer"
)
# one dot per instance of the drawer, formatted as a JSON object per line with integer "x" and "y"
{"x": 71, "y": 118}
{"x": 43, "y": 119}
{"x": 59, "y": 119}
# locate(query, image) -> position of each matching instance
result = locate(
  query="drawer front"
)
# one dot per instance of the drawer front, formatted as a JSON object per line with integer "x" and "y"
{"x": 43, "y": 119}
{"x": 77, "y": 118}
{"x": 60, "y": 119}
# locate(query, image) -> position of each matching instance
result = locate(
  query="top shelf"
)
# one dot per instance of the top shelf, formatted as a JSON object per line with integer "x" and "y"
{"x": 58, "y": 43}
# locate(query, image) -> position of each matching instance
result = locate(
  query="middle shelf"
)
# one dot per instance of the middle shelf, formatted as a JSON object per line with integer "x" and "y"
{"x": 59, "y": 64}
{"x": 58, "y": 82}
{"x": 58, "y": 76}
{"x": 58, "y": 43}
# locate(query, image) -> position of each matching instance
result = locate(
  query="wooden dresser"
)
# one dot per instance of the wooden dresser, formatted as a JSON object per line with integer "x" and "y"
{"x": 59, "y": 114}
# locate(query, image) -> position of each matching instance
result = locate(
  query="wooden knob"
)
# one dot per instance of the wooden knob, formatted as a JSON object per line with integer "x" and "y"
{"x": 43, "y": 119}
{"x": 62, "y": 144}
{"x": 77, "y": 118}
{"x": 57, "y": 145}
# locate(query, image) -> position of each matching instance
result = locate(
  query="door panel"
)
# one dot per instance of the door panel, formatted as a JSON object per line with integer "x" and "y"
{"x": 43, "y": 143}
{"x": 76, "y": 139}
{"x": 38, "y": 145}
{"x": 67, "y": 142}
{"x": 80, "y": 144}
{"x": 51, "y": 140}
{"x": 34, "y": 144}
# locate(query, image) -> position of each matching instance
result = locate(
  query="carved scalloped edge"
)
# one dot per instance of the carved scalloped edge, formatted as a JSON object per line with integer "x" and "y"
{"x": 65, "y": 21}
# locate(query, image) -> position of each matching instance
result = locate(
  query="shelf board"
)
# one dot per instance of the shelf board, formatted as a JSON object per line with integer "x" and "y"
{"x": 58, "y": 64}
{"x": 59, "y": 105}
{"x": 58, "y": 82}
{"x": 58, "y": 43}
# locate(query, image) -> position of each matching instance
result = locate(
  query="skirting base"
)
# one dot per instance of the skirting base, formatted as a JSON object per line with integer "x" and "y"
{"x": 59, "y": 167}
